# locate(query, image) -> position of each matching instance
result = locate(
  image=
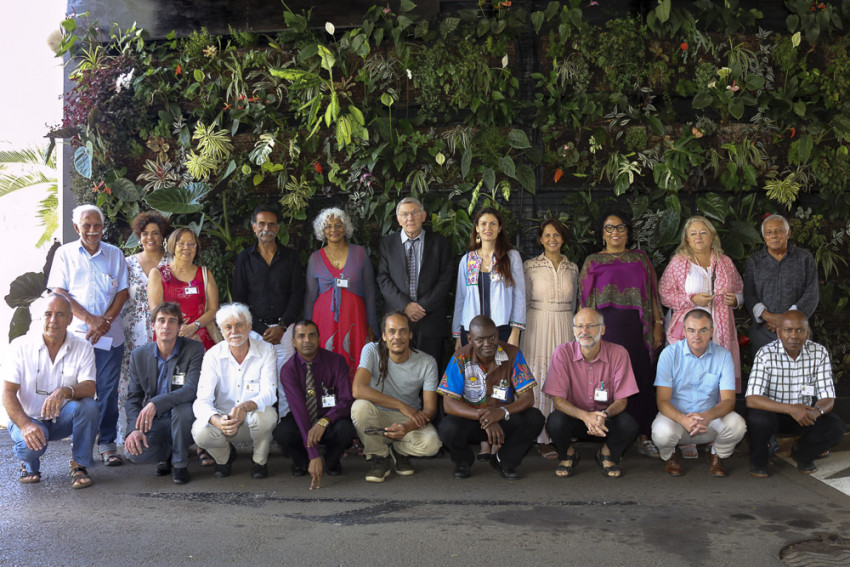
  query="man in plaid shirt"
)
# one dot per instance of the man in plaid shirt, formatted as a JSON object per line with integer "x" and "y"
{"x": 791, "y": 386}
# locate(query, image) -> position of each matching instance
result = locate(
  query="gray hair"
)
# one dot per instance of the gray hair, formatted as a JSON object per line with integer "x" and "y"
{"x": 38, "y": 306}
{"x": 78, "y": 212}
{"x": 323, "y": 217}
{"x": 773, "y": 218}
{"x": 599, "y": 317}
{"x": 409, "y": 201}
{"x": 230, "y": 311}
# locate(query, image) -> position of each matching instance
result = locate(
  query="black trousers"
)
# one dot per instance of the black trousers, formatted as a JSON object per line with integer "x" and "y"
{"x": 521, "y": 431}
{"x": 622, "y": 431}
{"x": 761, "y": 425}
{"x": 337, "y": 438}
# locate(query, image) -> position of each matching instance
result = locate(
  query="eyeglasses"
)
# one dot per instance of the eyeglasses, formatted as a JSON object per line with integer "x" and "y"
{"x": 186, "y": 245}
{"x": 609, "y": 228}
{"x": 40, "y": 389}
{"x": 336, "y": 226}
{"x": 589, "y": 327}
{"x": 704, "y": 331}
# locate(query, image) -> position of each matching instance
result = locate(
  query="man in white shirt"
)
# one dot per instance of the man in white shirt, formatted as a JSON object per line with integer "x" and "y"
{"x": 236, "y": 394}
{"x": 93, "y": 276}
{"x": 48, "y": 389}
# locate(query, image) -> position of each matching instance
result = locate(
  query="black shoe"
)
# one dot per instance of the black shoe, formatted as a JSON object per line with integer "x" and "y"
{"x": 259, "y": 471}
{"x": 163, "y": 468}
{"x": 758, "y": 472}
{"x": 462, "y": 471}
{"x": 181, "y": 475}
{"x": 805, "y": 468}
{"x": 508, "y": 473}
{"x": 224, "y": 470}
{"x": 334, "y": 470}
{"x": 299, "y": 470}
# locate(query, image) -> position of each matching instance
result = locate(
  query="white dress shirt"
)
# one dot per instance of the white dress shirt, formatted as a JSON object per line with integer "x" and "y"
{"x": 224, "y": 383}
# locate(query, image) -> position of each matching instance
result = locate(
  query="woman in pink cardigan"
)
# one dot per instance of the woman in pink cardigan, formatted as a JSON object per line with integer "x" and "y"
{"x": 700, "y": 275}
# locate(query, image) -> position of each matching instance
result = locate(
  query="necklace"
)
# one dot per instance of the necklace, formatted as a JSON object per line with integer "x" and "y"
{"x": 614, "y": 254}
{"x": 336, "y": 261}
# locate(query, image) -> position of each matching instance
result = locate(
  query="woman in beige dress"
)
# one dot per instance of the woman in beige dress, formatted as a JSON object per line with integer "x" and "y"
{"x": 550, "y": 288}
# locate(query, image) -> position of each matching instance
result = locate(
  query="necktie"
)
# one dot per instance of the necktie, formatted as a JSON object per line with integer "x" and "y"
{"x": 311, "y": 394}
{"x": 411, "y": 267}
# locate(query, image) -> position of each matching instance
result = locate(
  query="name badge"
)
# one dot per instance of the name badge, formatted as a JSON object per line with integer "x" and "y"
{"x": 178, "y": 379}
{"x": 191, "y": 290}
{"x": 600, "y": 395}
{"x": 329, "y": 401}
{"x": 252, "y": 387}
{"x": 500, "y": 393}
{"x": 342, "y": 282}
{"x": 808, "y": 390}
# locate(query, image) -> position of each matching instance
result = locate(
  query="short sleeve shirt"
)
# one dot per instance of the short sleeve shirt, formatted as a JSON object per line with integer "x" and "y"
{"x": 466, "y": 380}
{"x": 696, "y": 381}
{"x": 780, "y": 378}
{"x": 404, "y": 381}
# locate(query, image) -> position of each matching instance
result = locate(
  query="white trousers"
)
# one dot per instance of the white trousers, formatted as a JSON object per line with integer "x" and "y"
{"x": 726, "y": 432}
{"x": 257, "y": 428}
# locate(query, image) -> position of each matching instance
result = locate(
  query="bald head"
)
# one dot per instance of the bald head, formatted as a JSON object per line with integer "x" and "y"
{"x": 484, "y": 337}
{"x": 793, "y": 332}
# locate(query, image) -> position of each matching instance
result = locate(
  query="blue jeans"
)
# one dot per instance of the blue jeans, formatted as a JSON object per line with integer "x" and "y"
{"x": 108, "y": 365}
{"x": 77, "y": 418}
{"x": 169, "y": 438}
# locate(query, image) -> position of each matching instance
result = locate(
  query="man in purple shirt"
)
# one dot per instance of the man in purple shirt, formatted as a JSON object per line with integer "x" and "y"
{"x": 589, "y": 382}
{"x": 318, "y": 390}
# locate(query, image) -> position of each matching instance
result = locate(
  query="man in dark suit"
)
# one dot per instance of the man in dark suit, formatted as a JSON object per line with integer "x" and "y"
{"x": 163, "y": 384}
{"x": 415, "y": 275}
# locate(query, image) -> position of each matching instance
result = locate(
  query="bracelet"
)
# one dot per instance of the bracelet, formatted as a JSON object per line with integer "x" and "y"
{"x": 73, "y": 394}
{"x": 198, "y": 323}
{"x": 820, "y": 409}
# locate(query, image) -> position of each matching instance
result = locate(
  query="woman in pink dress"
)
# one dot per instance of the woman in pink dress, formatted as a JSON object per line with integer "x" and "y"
{"x": 182, "y": 282}
{"x": 701, "y": 276}
{"x": 340, "y": 296}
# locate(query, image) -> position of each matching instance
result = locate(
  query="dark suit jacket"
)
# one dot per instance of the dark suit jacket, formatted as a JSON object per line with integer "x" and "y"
{"x": 436, "y": 275}
{"x": 143, "y": 377}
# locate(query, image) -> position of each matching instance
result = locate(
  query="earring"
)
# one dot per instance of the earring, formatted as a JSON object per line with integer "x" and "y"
{"x": 478, "y": 239}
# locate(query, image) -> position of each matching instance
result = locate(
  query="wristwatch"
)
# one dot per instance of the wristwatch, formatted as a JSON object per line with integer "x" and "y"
{"x": 507, "y": 413}
{"x": 324, "y": 422}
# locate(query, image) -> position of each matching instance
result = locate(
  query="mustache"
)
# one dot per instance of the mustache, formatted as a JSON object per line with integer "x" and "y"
{"x": 266, "y": 233}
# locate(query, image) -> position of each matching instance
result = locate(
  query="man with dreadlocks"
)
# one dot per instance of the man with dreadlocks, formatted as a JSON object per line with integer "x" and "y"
{"x": 391, "y": 419}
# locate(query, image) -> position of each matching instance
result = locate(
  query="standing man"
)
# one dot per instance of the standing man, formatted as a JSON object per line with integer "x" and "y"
{"x": 419, "y": 293}
{"x": 695, "y": 390}
{"x": 93, "y": 276}
{"x": 236, "y": 394}
{"x": 268, "y": 278}
{"x": 778, "y": 278}
{"x": 163, "y": 384}
{"x": 589, "y": 382}
{"x": 390, "y": 416}
{"x": 318, "y": 390}
{"x": 791, "y": 386}
{"x": 48, "y": 389}
{"x": 488, "y": 396}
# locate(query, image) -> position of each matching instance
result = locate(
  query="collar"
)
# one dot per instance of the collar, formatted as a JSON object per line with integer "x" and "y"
{"x": 83, "y": 248}
{"x": 500, "y": 357}
{"x": 708, "y": 351}
{"x": 405, "y": 238}
{"x": 601, "y": 356}
{"x": 175, "y": 351}
{"x": 224, "y": 350}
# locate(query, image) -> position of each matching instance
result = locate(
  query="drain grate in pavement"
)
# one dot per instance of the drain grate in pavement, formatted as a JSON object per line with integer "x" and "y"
{"x": 826, "y": 550}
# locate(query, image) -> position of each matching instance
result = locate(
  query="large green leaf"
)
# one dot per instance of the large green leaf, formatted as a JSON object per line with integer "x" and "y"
{"x": 525, "y": 176}
{"x": 20, "y": 323}
{"x": 179, "y": 200}
{"x": 25, "y": 289}
{"x": 518, "y": 140}
{"x": 714, "y": 207}
{"x": 82, "y": 160}
{"x": 126, "y": 190}
{"x": 506, "y": 164}
{"x": 668, "y": 228}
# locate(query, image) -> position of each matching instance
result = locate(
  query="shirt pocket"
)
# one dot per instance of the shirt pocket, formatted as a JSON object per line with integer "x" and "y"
{"x": 106, "y": 284}
{"x": 708, "y": 390}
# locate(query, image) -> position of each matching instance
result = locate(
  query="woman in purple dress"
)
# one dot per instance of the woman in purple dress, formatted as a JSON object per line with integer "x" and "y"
{"x": 621, "y": 284}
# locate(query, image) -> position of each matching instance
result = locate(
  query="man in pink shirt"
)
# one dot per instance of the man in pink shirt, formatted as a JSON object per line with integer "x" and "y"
{"x": 589, "y": 382}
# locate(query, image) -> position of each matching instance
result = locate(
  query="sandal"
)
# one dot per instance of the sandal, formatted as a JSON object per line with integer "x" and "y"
{"x": 565, "y": 467}
{"x": 28, "y": 477}
{"x": 111, "y": 459}
{"x": 79, "y": 476}
{"x": 205, "y": 458}
{"x": 547, "y": 451}
{"x": 689, "y": 451}
{"x": 611, "y": 471}
{"x": 647, "y": 447}
{"x": 823, "y": 454}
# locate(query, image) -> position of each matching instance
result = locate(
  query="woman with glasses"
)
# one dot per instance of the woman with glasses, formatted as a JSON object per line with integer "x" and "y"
{"x": 620, "y": 283}
{"x": 550, "y": 287}
{"x": 190, "y": 286}
{"x": 340, "y": 296}
{"x": 700, "y": 275}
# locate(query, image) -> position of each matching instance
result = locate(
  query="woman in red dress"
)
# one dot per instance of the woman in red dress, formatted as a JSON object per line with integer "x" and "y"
{"x": 340, "y": 296}
{"x": 190, "y": 286}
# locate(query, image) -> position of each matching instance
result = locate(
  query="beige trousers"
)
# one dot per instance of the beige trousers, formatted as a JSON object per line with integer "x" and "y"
{"x": 257, "y": 428}
{"x": 423, "y": 442}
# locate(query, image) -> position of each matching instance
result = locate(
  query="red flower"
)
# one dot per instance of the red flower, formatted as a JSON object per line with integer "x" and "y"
{"x": 793, "y": 132}
{"x": 765, "y": 215}
{"x": 97, "y": 187}
{"x": 179, "y": 70}
{"x": 743, "y": 340}
{"x": 558, "y": 174}
{"x": 683, "y": 46}
{"x": 318, "y": 167}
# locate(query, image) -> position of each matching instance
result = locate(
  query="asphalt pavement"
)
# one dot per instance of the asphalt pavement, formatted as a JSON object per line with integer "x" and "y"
{"x": 131, "y": 517}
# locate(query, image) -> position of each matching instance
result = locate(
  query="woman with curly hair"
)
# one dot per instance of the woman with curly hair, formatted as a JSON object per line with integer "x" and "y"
{"x": 340, "y": 294}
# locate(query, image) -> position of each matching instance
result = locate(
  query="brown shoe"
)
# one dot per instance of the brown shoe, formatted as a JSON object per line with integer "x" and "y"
{"x": 672, "y": 466}
{"x": 715, "y": 466}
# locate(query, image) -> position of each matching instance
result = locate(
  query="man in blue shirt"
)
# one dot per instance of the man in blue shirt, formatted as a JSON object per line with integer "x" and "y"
{"x": 695, "y": 390}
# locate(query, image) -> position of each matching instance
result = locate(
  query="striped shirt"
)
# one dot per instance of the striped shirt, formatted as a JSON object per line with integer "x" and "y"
{"x": 780, "y": 378}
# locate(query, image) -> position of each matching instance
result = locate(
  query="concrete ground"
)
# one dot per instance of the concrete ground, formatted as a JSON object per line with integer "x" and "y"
{"x": 131, "y": 517}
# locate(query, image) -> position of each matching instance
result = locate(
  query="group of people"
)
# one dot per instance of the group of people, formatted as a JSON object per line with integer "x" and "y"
{"x": 544, "y": 352}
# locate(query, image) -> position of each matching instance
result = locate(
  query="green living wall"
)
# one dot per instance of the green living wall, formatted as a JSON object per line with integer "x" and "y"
{"x": 555, "y": 109}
